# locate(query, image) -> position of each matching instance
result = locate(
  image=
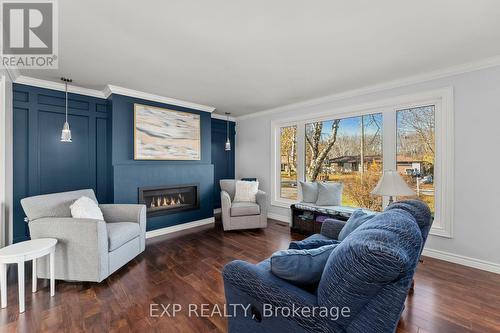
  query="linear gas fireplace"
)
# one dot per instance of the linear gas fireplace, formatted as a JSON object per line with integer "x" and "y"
{"x": 162, "y": 200}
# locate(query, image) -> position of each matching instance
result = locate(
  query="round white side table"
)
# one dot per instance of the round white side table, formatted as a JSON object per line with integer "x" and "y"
{"x": 19, "y": 253}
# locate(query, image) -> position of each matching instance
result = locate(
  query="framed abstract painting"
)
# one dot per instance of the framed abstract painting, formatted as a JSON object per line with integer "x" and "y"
{"x": 163, "y": 134}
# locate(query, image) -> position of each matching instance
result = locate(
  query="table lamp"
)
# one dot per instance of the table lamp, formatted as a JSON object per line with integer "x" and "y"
{"x": 392, "y": 184}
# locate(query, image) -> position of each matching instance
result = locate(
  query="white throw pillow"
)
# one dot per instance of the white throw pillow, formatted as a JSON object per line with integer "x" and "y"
{"x": 86, "y": 208}
{"x": 246, "y": 191}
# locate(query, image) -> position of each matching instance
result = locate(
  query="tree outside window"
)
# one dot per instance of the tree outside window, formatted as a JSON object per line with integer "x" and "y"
{"x": 347, "y": 150}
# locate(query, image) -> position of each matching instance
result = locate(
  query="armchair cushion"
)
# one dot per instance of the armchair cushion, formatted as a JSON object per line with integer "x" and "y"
{"x": 120, "y": 233}
{"x": 302, "y": 267}
{"x": 244, "y": 209}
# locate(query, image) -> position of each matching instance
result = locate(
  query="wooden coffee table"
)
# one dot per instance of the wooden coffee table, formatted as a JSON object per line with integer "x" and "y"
{"x": 18, "y": 254}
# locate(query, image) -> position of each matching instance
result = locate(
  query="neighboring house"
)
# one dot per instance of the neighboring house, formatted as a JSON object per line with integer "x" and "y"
{"x": 409, "y": 166}
{"x": 351, "y": 163}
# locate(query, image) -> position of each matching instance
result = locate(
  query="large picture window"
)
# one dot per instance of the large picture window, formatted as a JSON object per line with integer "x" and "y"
{"x": 410, "y": 134}
{"x": 288, "y": 162}
{"x": 416, "y": 146}
{"x": 347, "y": 150}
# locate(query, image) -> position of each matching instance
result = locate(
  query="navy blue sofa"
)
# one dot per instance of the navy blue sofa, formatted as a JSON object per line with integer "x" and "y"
{"x": 369, "y": 273}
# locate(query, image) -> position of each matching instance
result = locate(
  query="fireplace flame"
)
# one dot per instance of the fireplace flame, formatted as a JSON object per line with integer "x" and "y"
{"x": 166, "y": 201}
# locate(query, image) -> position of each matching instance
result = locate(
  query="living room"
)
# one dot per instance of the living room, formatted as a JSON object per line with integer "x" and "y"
{"x": 244, "y": 167}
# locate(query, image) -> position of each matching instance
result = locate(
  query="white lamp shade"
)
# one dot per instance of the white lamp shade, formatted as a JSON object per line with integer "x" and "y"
{"x": 391, "y": 184}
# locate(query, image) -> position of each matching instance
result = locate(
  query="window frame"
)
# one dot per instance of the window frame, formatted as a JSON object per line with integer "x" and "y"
{"x": 442, "y": 99}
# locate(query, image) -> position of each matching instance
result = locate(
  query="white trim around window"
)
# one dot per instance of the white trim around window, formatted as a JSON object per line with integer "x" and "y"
{"x": 442, "y": 99}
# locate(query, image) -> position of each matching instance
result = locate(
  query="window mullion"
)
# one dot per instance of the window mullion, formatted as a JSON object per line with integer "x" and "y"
{"x": 389, "y": 148}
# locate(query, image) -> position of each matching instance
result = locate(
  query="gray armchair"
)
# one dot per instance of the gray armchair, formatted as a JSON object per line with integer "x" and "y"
{"x": 87, "y": 249}
{"x": 241, "y": 215}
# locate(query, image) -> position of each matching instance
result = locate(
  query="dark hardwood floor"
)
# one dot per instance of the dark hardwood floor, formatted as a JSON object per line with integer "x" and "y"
{"x": 186, "y": 268}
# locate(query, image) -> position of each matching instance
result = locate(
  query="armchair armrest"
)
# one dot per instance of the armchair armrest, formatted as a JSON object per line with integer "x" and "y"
{"x": 331, "y": 228}
{"x": 126, "y": 213}
{"x": 123, "y": 213}
{"x": 82, "y": 246}
{"x": 261, "y": 199}
{"x": 225, "y": 199}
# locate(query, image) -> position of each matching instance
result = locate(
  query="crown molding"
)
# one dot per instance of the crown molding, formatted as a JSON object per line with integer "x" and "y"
{"x": 429, "y": 76}
{"x": 222, "y": 117}
{"x": 31, "y": 81}
{"x": 111, "y": 89}
{"x": 107, "y": 91}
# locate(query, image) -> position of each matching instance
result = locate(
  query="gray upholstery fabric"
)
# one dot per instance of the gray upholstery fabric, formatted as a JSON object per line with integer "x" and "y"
{"x": 53, "y": 205}
{"x": 329, "y": 194}
{"x": 231, "y": 222}
{"x": 126, "y": 213}
{"x": 81, "y": 251}
{"x": 124, "y": 254}
{"x": 244, "y": 208}
{"x": 120, "y": 233}
{"x": 229, "y": 186}
{"x": 83, "y": 248}
{"x": 309, "y": 192}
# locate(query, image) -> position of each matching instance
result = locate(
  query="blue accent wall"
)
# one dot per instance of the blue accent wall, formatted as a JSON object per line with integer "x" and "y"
{"x": 222, "y": 160}
{"x": 43, "y": 164}
{"x": 129, "y": 174}
{"x": 101, "y": 155}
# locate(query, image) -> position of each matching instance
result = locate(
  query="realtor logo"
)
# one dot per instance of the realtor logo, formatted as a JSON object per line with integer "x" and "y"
{"x": 29, "y": 34}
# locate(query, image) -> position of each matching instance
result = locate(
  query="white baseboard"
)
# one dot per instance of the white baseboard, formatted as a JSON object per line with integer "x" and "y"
{"x": 179, "y": 227}
{"x": 278, "y": 217}
{"x": 463, "y": 260}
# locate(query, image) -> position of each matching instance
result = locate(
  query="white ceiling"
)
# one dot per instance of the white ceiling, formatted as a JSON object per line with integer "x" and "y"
{"x": 248, "y": 56}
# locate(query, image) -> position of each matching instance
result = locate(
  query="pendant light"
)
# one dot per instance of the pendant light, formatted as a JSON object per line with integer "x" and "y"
{"x": 228, "y": 142}
{"x": 66, "y": 132}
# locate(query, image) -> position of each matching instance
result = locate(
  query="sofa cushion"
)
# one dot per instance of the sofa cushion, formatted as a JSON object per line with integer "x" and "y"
{"x": 302, "y": 267}
{"x": 120, "y": 233}
{"x": 244, "y": 209}
{"x": 311, "y": 243}
{"x": 309, "y": 192}
{"x": 329, "y": 194}
{"x": 357, "y": 219}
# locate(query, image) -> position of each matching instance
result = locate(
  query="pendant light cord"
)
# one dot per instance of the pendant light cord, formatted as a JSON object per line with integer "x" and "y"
{"x": 66, "y": 84}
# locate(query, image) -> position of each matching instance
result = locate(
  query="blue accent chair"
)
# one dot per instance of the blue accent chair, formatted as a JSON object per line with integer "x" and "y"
{"x": 370, "y": 273}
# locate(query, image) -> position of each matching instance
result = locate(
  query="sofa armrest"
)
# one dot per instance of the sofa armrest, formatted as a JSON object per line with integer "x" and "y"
{"x": 331, "y": 228}
{"x": 255, "y": 285}
{"x": 260, "y": 283}
{"x": 82, "y": 245}
{"x": 126, "y": 213}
